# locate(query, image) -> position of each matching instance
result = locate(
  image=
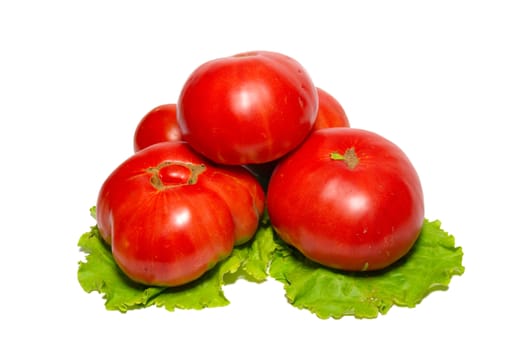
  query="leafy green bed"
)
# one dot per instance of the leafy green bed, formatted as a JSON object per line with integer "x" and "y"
{"x": 327, "y": 293}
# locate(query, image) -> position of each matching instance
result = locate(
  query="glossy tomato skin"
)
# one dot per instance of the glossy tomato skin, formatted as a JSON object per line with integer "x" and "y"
{"x": 348, "y": 199}
{"x": 249, "y": 108}
{"x": 165, "y": 219}
{"x": 331, "y": 113}
{"x": 158, "y": 125}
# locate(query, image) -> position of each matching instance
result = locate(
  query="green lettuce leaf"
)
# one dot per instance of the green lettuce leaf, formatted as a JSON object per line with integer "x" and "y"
{"x": 325, "y": 292}
{"x": 428, "y": 267}
{"x": 99, "y": 272}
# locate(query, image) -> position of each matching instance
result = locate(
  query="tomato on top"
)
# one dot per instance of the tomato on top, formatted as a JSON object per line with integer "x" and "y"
{"x": 249, "y": 108}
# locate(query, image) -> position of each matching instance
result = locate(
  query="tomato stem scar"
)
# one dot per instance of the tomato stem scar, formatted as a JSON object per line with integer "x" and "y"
{"x": 170, "y": 174}
{"x": 350, "y": 158}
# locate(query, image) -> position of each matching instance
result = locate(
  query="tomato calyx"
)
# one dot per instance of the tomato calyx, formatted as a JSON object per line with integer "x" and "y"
{"x": 350, "y": 158}
{"x": 170, "y": 174}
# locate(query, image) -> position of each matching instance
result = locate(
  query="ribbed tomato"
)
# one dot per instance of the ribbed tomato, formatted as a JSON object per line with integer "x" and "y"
{"x": 170, "y": 215}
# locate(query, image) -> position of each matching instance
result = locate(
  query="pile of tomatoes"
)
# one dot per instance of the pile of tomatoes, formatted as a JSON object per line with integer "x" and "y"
{"x": 252, "y": 133}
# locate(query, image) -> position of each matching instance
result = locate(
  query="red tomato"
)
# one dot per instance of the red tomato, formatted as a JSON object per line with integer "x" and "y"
{"x": 169, "y": 215}
{"x": 330, "y": 112}
{"x": 348, "y": 199}
{"x": 156, "y": 126}
{"x": 253, "y": 107}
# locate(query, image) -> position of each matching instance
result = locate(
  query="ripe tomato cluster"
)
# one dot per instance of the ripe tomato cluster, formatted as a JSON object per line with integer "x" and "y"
{"x": 249, "y": 133}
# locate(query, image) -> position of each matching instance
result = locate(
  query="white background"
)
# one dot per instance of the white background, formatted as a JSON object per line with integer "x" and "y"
{"x": 442, "y": 79}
